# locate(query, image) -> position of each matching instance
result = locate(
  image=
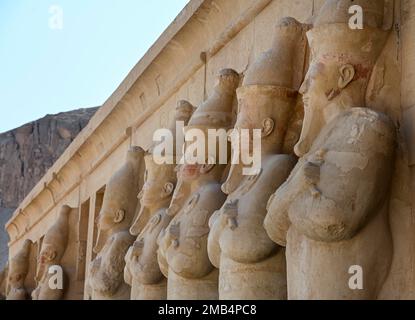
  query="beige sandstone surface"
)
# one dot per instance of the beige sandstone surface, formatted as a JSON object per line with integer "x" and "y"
{"x": 348, "y": 200}
{"x": 26, "y": 153}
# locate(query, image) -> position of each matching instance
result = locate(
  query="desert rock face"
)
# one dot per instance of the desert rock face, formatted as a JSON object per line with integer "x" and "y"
{"x": 26, "y": 153}
{"x": 5, "y": 215}
{"x": 326, "y": 211}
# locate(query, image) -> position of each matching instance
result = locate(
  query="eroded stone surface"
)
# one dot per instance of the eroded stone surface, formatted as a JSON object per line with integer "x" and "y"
{"x": 183, "y": 248}
{"x": 18, "y": 269}
{"x": 332, "y": 212}
{"x": 250, "y": 265}
{"x": 26, "y": 153}
{"x": 51, "y": 253}
{"x": 142, "y": 271}
{"x": 106, "y": 280}
{"x": 346, "y": 199}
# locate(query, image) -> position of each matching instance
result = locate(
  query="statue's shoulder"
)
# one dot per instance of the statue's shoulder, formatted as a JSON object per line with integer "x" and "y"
{"x": 275, "y": 170}
{"x": 358, "y": 130}
{"x": 373, "y": 119}
{"x": 211, "y": 188}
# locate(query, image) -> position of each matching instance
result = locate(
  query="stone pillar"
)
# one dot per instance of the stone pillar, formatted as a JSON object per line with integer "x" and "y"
{"x": 408, "y": 80}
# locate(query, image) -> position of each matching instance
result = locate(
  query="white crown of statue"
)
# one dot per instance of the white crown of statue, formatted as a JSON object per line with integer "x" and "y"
{"x": 332, "y": 38}
{"x": 277, "y": 66}
{"x": 216, "y": 111}
{"x": 57, "y": 235}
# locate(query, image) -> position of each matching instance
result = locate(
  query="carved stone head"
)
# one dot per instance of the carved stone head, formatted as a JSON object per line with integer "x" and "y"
{"x": 267, "y": 97}
{"x": 214, "y": 113}
{"x": 120, "y": 198}
{"x": 160, "y": 179}
{"x": 19, "y": 266}
{"x": 159, "y": 184}
{"x": 184, "y": 111}
{"x": 341, "y": 64}
{"x": 54, "y": 243}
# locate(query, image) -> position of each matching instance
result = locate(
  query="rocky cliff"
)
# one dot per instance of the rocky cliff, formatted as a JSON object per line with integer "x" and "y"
{"x": 26, "y": 153}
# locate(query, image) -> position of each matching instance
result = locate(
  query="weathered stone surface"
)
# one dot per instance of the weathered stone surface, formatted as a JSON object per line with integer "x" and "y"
{"x": 333, "y": 214}
{"x": 17, "y": 273}
{"x": 52, "y": 251}
{"x": 5, "y": 215}
{"x": 142, "y": 271}
{"x": 106, "y": 272}
{"x": 26, "y": 153}
{"x": 183, "y": 248}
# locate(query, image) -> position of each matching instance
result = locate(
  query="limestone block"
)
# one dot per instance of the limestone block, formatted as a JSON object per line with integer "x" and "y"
{"x": 408, "y": 124}
{"x": 408, "y": 53}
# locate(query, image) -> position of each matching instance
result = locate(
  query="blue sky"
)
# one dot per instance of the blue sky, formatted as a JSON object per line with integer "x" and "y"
{"x": 45, "y": 70}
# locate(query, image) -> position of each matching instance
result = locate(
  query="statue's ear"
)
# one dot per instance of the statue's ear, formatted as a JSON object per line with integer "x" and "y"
{"x": 50, "y": 255}
{"x": 53, "y": 255}
{"x": 119, "y": 216}
{"x": 267, "y": 127}
{"x": 347, "y": 73}
{"x": 168, "y": 188}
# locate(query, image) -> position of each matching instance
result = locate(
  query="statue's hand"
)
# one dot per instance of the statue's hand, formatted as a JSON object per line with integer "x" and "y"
{"x": 138, "y": 247}
{"x": 311, "y": 171}
{"x": 230, "y": 211}
{"x": 174, "y": 234}
{"x": 134, "y": 252}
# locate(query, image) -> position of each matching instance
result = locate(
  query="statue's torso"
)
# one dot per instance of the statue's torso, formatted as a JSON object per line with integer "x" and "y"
{"x": 247, "y": 241}
{"x": 189, "y": 258}
{"x": 17, "y": 293}
{"x": 106, "y": 272}
{"x": 342, "y": 220}
{"x": 148, "y": 282}
{"x": 44, "y": 291}
{"x": 320, "y": 270}
{"x": 147, "y": 270}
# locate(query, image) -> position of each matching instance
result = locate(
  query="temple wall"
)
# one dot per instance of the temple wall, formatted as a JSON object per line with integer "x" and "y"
{"x": 213, "y": 35}
{"x": 401, "y": 282}
{"x": 178, "y": 72}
